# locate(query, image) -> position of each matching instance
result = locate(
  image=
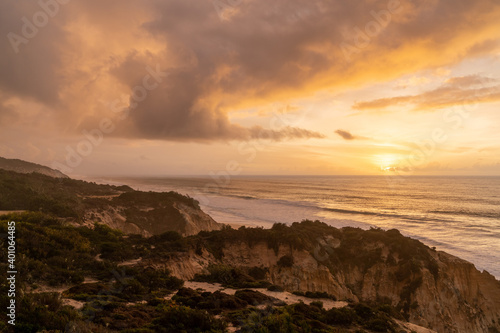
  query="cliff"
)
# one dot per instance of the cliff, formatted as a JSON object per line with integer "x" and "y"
{"x": 149, "y": 213}
{"x": 429, "y": 288}
{"x": 351, "y": 280}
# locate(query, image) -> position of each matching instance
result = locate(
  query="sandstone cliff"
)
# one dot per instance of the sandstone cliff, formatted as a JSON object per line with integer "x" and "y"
{"x": 152, "y": 218}
{"x": 431, "y": 289}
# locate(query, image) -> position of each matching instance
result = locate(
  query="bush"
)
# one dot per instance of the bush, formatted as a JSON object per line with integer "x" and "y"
{"x": 344, "y": 316}
{"x": 183, "y": 319}
{"x": 319, "y": 294}
{"x": 380, "y": 325}
{"x": 286, "y": 261}
{"x": 257, "y": 273}
{"x": 275, "y": 288}
{"x": 253, "y": 297}
{"x": 363, "y": 311}
{"x": 230, "y": 277}
{"x": 433, "y": 267}
{"x": 43, "y": 311}
{"x": 317, "y": 304}
{"x": 87, "y": 289}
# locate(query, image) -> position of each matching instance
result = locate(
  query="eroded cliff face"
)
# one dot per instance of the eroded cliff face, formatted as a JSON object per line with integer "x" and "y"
{"x": 187, "y": 264}
{"x": 196, "y": 220}
{"x": 181, "y": 218}
{"x": 458, "y": 298}
{"x": 113, "y": 217}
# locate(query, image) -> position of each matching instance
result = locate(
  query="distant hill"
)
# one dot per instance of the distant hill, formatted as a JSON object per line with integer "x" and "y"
{"x": 28, "y": 167}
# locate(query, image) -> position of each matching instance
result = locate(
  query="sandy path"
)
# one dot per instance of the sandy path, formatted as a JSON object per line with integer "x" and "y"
{"x": 284, "y": 296}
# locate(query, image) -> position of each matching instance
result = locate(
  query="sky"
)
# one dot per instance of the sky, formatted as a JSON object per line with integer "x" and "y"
{"x": 249, "y": 87}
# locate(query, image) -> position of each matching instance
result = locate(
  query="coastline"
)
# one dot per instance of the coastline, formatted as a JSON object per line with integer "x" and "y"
{"x": 258, "y": 201}
{"x": 349, "y": 265}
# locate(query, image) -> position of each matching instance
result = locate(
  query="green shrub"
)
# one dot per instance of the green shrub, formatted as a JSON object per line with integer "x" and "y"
{"x": 230, "y": 277}
{"x": 258, "y": 273}
{"x": 184, "y": 319}
{"x": 43, "y": 311}
{"x": 380, "y": 325}
{"x": 319, "y": 294}
{"x": 363, "y": 311}
{"x": 344, "y": 316}
{"x": 252, "y": 297}
{"x": 286, "y": 261}
{"x": 275, "y": 288}
{"x": 317, "y": 304}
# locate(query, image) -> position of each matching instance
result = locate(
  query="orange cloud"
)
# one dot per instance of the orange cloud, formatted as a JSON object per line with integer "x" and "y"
{"x": 92, "y": 53}
{"x": 456, "y": 91}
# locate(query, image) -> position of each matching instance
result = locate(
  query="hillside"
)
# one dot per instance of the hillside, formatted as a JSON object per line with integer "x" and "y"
{"x": 82, "y": 279}
{"x": 120, "y": 207}
{"x": 28, "y": 167}
{"x": 350, "y": 280}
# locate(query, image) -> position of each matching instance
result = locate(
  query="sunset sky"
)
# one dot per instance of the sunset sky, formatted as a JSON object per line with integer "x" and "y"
{"x": 168, "y": 87}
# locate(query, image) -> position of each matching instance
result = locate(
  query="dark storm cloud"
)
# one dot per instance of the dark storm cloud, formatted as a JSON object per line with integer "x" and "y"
{"x": 261, "y": 52}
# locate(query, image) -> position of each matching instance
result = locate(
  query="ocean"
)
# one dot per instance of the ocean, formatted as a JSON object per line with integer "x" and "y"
{"x": 459, "y": 215}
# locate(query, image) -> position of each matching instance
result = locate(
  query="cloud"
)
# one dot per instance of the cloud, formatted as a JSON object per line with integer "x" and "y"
{"x": 93, "y": 52}
{"x": 455, "y": 91}
{"x": 470, "y": 81}
{"x": 348, "y": 136}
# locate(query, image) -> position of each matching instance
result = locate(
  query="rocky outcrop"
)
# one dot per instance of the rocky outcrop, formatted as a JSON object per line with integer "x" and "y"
{"x": 186, "y": 265}
{"x": 113, "y": 217}
{"x": 306, "y": 274}
{"x": 153, "y": 219}
{"x": 431, "y": 289}
{"x": 196, "y": 220}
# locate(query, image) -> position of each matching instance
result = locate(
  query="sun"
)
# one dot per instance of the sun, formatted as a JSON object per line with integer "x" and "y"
{"x": 386, "y": 162}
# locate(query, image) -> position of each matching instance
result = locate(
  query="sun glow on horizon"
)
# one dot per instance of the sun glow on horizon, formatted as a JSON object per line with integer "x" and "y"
{"x": 386, "y": 162}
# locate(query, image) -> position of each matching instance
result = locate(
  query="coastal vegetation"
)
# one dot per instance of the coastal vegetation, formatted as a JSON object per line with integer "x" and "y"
{"x": 83, "y": 202}
{"x": 84, "y": 264}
